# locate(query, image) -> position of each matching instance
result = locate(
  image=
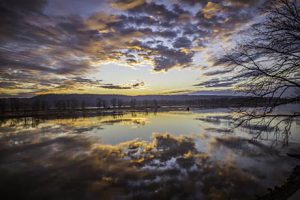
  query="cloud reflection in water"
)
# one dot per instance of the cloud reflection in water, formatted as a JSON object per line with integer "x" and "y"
{"x": 60, "y": 159}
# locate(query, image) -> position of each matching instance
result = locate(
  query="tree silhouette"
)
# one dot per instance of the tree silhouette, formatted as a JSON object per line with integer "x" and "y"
{"x": 155, "y": 103}
{"x": 104, "y": 103}
{"x": 113, "y": 102}
{"x": 83, "y": 105}
{"x": 133, "y": 103}
{"x": 268, "y": 65}
{"x": 99, "y": 103}
{"x": 3, "y": 105}
{"x": 120, "y": 103}
{"x": 74, "y": 104}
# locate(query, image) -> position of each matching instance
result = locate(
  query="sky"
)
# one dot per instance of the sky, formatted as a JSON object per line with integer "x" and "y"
{"x": 131, "y": 47}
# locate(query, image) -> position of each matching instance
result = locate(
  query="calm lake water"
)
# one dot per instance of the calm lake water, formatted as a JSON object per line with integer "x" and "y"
{"x": 162, "y": 155}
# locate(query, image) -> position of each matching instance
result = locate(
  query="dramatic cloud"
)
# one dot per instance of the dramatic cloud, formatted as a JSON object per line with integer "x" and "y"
{"x": 211, "y": 9}
{"x": 111, "y": 86}
{"x": 127, "y": 4}
{"x": 49, "y": 42}
{"x": 217, "y": 83}
{"x": 182, "y": 42}
{"x": 123, "y": 87}
{"x": 217, "y": 72}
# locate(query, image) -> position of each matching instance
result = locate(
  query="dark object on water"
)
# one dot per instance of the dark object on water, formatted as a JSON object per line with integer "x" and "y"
{"x": 188, "y": 108}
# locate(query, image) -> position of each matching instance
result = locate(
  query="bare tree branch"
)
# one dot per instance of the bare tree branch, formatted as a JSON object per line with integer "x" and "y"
{"x": 270, "y": 65}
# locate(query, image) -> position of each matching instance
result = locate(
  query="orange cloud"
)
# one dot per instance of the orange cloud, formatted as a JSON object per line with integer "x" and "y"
{"x": 211, "y": 9}
{"x": 127, "y": 5}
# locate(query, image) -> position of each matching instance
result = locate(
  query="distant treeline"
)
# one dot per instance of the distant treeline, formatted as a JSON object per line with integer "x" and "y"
{"x": 83, "y": 101}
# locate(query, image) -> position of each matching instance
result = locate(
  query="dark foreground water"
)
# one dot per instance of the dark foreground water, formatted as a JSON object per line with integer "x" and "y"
{"x": 163, "y": 155}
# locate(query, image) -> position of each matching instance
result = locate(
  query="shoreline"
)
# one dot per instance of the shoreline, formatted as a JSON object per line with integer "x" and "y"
{"x": 90, "y": 112}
